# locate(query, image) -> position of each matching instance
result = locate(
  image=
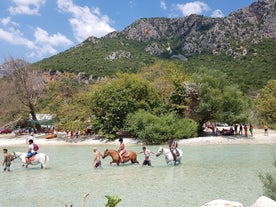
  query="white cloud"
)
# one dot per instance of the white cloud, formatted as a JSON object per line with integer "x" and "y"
{"x": 42, "y": 37}
{"x": 15, "y": 37}
{"x": 45, "y": 44}
{"x": 217, "y": 13}
{"x": 5, "y": 21}
{"x": 30, "y": 7}
{"x": 85, "y": 22}
{"x": 195, "y": 7}
{"x": 163, "y": 5}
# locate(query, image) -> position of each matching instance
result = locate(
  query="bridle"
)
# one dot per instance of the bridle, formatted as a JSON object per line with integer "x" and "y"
{"x": 14, "y": 156}
{"x": 106, "y": 153}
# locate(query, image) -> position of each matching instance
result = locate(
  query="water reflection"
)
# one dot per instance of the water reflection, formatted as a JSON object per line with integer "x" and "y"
{"x": 206, "y": 173}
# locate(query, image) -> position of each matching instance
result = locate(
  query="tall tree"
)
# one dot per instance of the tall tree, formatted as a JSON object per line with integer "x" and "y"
{"x": 68, "y": 100}
{"x": 9, "y": 110}
{"x": 28, "y": 85}
{"x": 170, "y": 81}
{"x": 219, "y": 100}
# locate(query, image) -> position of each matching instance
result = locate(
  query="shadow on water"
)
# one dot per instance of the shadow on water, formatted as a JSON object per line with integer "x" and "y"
{"x": 206, "y": 173}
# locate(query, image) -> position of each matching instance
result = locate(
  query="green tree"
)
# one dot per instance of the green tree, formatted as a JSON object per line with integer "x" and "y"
{"x": 266, "y": 100}
{"x": 168, "y": 79}
{"x": 219, "y": 100}
{"x": 113, "y": 101}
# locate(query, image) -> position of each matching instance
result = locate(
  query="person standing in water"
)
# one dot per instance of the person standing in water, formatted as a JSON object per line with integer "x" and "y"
{"x": 147, "y": 153}
{"x": 97, "y": 158}
{"x": 7, "y": 160}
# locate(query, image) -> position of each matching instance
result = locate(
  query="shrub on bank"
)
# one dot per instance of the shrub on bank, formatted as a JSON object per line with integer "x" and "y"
{"x": 153, "y": 129}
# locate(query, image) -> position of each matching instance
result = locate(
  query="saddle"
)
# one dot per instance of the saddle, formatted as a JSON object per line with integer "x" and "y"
{"x": 126, "y": 154}
{"x": 175, "y": 154}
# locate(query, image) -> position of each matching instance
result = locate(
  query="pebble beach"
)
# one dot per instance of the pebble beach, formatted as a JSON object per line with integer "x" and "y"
{"x": 257, "y": 138}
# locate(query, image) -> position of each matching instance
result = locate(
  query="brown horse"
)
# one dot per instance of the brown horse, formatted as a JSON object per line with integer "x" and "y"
{"x": 114, "y": 154}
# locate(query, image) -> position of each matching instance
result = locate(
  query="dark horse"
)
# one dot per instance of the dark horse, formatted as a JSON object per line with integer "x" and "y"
{"x": 114, "y": 154}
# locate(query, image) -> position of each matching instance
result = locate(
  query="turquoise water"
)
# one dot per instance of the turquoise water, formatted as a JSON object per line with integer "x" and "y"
{"x": 207, "y": 172}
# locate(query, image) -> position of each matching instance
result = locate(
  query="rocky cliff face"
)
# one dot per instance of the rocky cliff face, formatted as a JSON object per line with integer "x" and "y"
{"x": 195, "y": 33}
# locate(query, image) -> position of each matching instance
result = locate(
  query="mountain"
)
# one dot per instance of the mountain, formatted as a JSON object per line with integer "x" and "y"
{"x": 8, "y": 66}
{"x": 149, "y": 39}
{"x": 195, "y": 34}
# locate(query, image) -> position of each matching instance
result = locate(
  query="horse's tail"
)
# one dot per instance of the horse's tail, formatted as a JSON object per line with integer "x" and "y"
{"x": 133, "y": 157}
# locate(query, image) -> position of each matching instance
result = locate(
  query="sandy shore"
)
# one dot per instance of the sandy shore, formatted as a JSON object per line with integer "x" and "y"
{"x": 258, "y": 138}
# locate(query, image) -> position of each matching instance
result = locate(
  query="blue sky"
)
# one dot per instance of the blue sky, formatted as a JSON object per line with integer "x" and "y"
{"x": 36, "y": 29}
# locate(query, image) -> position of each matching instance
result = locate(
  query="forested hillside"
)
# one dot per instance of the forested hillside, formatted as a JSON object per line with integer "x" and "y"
{"x": 242, "y": 45}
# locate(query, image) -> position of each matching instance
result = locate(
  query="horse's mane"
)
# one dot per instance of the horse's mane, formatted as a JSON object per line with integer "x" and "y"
{"x": 112, "y": 151}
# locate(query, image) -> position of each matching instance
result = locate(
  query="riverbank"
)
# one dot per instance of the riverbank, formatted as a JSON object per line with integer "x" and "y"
{"x": 258, "y": 138}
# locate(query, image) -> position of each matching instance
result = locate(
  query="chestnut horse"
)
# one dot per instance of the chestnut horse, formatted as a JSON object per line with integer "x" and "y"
{"x": 114, "y": 154}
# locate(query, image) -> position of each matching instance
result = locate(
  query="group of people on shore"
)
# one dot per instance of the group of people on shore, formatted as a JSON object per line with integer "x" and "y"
{"x": 236, "y": 129}
{"x": 242, "y": 129}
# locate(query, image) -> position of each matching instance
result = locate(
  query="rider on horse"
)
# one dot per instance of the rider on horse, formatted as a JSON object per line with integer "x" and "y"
{"x": 121, "y": 149}
{"x": 31, "y": 151}
{"x": 173, "y": 149}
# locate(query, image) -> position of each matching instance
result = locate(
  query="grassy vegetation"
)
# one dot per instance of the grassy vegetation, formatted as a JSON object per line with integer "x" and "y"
{"x": 92, "y": 58}
{"x": 251, "y": 71}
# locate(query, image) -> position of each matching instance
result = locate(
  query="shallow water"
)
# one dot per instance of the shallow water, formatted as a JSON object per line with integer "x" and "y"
{"x": 207, "y": 172}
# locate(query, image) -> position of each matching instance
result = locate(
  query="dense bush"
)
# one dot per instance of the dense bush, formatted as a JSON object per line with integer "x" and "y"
{"x": 154, "y": 129}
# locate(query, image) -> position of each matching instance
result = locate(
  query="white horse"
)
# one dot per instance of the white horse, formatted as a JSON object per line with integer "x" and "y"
{"x": 39, "y": 158}
{"x": 168, "y": 155}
